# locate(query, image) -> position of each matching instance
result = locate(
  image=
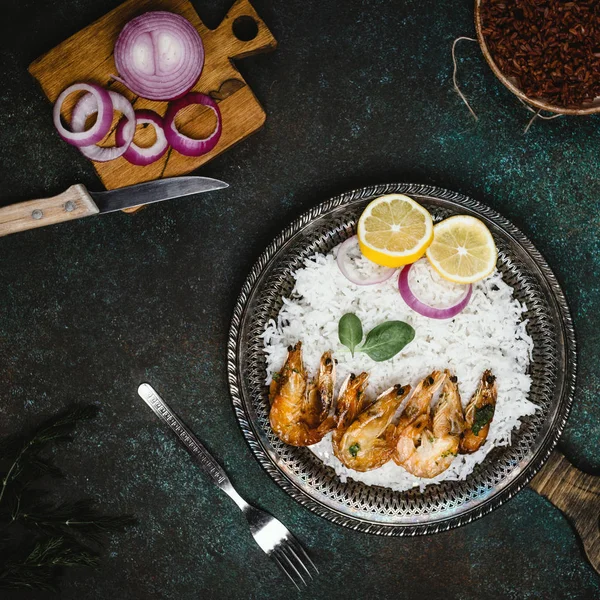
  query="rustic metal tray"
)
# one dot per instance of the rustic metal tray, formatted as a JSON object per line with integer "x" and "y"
{"x": 376, "y": 509}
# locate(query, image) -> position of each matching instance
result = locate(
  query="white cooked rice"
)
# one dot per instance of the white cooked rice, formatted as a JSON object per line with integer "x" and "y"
{"x": 489, "y": 333}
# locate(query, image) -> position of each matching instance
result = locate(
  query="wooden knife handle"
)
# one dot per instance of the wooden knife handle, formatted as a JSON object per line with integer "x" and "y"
{"x": 577, "y": 495}
{"x": 74, "y": 203}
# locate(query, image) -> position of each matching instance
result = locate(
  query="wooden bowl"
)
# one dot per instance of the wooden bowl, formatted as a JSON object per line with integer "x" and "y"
{"x": 587, "y": 109}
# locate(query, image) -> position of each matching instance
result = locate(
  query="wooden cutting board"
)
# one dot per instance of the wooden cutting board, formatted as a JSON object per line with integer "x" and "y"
{"x": 88, "y": 56}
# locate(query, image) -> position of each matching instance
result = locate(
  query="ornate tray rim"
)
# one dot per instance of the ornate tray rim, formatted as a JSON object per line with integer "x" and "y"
{"x": 527, "y": 472}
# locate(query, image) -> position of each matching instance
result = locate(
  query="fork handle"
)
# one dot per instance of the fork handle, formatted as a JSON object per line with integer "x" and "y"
{"x": 207, "y": 463}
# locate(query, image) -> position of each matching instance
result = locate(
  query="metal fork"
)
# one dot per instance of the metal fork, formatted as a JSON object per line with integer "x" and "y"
{"x": 269, "y": 533}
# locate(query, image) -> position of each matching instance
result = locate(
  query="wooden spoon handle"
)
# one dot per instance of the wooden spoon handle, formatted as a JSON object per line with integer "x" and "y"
{"x": 73, "y": 203}
{"x": 577, "y": 495}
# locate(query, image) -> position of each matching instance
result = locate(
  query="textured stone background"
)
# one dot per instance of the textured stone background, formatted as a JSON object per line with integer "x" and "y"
{"x": 358, "y": 92}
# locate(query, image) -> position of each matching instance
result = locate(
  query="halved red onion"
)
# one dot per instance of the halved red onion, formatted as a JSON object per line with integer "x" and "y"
{"x": 348, "y": 253}
{"x": 182, "y": 143}
{"x": 159, "y": 55}
{"x": 87, "y": 106}
{"x": 138, "y": 155}
{"x": 425, "y": 309}
{"x": 81, "y": 137}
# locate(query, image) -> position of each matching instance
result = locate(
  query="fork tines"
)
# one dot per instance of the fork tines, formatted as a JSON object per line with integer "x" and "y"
{"x": 293, "y": 560}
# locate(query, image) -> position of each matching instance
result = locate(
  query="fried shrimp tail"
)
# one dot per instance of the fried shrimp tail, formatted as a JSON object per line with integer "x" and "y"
{"x": 449, "y": 416}
{"x": 427, "y": 446}
{"x": 421, "y": 398}
{"x": 350, "y": 402}
{"x": 299, "y": 416}
{"x": 369, "y": 441}
{"x": 324, "y": 385}
{"x": 479, "y": 414}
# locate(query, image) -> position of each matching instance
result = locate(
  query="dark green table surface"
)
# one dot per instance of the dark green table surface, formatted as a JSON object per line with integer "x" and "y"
{"x": 358, "y": 92}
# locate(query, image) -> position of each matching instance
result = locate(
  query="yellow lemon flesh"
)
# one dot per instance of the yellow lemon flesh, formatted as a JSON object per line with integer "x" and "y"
{"x": 463, "y": 249}
{"x": 394, "y": 230}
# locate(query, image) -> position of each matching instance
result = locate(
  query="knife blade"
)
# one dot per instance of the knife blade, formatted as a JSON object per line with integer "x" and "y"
{"x": 77, "y": 202}
{"x": 154, "y": 191}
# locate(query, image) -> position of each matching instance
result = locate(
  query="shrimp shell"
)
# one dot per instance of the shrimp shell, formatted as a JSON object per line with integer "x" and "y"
{"x": 369, "y": 441}
{"x": 299, "y": 416}
{"x": 427, "y": 446}
{"x": 486, "y": 394}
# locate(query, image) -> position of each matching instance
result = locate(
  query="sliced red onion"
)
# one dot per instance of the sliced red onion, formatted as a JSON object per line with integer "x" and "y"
{"x": 137, "y": 155}
{"x": 182, "y": 143}
{"x": 159, "y": 55}
{"x": 425, "y": 309}
{"x": 348, "y": 253}
{"x": 87, "y": 106}
{"x": 79, "y": 136}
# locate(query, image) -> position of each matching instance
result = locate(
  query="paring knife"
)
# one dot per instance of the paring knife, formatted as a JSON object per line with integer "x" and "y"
{"x": 77, "y": 202}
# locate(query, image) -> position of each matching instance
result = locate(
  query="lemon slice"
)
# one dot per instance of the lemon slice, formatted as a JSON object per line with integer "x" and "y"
{"x": 463, "y": 249}
{"x": 394, "y": 230}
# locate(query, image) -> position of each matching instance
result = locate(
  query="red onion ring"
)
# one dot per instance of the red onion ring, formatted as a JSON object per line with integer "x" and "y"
{"x": 182, "y": 143}
{"x": 87, "y": 106}
{"x": 425, "y": 309}
{"x": 104, "y": 108}
{"x": 137, "y": 155}
{"x": 159, "y": 55}
{"x": 380, "y": 274}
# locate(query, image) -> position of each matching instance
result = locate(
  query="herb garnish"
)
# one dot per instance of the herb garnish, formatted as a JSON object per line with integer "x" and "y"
{"x": 482, "y": 417}
{"x": 354, "y": 449}
{"x": 447, "y": 454}
{"x": 382, "y": 343}
{"x": 350, "y": 331}
{"x": 49, "y": 536}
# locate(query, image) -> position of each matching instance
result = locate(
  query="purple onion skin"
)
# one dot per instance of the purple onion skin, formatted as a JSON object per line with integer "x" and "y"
{"x": 183, "y": 144}
{"x": 340, "y": 263}
{"x": 132, "y": 154}
{"x": 424, "y": 309}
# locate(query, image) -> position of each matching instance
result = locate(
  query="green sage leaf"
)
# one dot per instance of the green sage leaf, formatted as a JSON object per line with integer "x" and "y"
{"x": 387, "y": 339}
{"x": 350, "y": 331}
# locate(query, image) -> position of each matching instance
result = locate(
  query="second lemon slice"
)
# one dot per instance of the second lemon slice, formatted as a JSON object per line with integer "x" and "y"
{"x": 394, "y": 230}
{"x": 463, "y": 249}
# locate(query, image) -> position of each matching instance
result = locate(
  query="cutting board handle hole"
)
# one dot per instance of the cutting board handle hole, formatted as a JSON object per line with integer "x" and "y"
{"x": 245, "y": 28}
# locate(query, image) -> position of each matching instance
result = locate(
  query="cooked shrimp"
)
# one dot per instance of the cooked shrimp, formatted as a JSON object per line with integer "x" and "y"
{"x": 427, "y": 447}
{"x": 449, "y": 417}
{"x": 322, "y": 388}
{"x": 420, "y": 400}
{"x": 479, "y": 414}
{"x": 369, "y": 441}
{"x": 297, "y": 417}
{"x": 350, "y": 402}
{"x": 274, "y": 386}
{"x": 423, "y": 454}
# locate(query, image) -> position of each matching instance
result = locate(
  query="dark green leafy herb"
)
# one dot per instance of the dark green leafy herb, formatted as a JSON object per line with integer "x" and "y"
{"x": 25, "y": 449}
{"x": 354, "y": 449}
{"x": 276, "y": 376}
{"x": 38, "y": 539}
{"x": 387, "y": 339}
{"x": 72, "y": 518}
{"x": 350, "y": 331}
{"x": 39, "y": 568}
{"x": 383, "y": 342}
{"x": 482, "y": 417}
